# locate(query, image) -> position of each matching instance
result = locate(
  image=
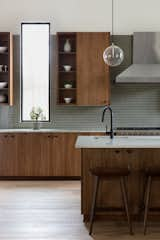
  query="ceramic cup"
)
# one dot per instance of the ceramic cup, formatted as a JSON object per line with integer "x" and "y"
{"x": 67, "y": 100}
{"x": 67, "y": 85}
{"x": 67, "y": 68}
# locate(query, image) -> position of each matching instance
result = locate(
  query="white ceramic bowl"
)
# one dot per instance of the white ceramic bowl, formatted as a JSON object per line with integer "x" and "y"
{"x": 2, "y": 98}
{"x": 3, "y": 49}
{"x": 3, "y": 85}
{"x": 67, "y": 100}
{"x": 68, "y": 85}
{"x": 67, "y": 68}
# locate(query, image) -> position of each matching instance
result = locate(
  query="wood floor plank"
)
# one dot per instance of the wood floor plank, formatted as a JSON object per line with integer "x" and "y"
{"x": 50, "y": 210}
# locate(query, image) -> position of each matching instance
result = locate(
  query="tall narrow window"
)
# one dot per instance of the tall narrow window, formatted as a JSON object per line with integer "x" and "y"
{"x": 35, "y": 49}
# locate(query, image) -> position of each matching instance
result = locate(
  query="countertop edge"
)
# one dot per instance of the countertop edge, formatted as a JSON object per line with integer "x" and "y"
{"x": 121, "y": 142}
{"x": 49, "y": 131}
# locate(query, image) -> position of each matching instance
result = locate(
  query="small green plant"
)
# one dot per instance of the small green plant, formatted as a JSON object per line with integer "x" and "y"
{"x": 37, "y": 114}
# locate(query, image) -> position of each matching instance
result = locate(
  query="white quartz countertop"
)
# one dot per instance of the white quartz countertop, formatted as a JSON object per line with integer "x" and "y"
{"x": 118, "y": 142}
{"x": 50, "y": 130}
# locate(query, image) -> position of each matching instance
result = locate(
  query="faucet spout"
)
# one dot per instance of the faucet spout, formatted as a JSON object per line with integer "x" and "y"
{"x": 108, "y": 108}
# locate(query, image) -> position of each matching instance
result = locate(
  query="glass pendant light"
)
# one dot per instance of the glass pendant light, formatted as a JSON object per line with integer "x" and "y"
{"x": 113, "y": 55}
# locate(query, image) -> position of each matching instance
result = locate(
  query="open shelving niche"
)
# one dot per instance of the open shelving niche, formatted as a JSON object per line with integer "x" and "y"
{"x": 6, "y": 59}
{"x": 66, "y": 77}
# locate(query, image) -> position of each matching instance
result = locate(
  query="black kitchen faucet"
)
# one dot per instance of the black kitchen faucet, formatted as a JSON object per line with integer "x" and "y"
{"x": 111, "y": 120}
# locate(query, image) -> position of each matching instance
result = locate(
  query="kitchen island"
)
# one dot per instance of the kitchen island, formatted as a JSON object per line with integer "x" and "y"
{"x": 135, "y": 152}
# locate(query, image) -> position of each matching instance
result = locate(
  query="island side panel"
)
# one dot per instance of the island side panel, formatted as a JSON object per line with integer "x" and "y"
{"x": 109, "y": 194}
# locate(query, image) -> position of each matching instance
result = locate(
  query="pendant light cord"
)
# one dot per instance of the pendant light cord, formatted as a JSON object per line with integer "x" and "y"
{"x": 112, "y": 20}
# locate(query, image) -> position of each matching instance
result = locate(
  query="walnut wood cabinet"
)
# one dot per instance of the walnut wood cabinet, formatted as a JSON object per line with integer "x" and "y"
{"x": 40, "y": 155}
{"x": 92, "y": 72}
{"x": 8, "y": 155}
{"x": 63, "y": 158}
{"x": 89, "y": 75}
{"x": 31, "y": 158}
{"x": 48, "y": 154}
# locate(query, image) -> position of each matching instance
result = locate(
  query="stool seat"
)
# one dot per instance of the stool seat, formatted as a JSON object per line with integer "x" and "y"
{"x": 153, "y": 172}
{"x": 109, "y": 172}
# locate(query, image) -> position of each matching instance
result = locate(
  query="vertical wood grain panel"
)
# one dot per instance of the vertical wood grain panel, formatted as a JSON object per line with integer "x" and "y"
{"x": 10, "y": 70}
{"x": 92, "y": 73}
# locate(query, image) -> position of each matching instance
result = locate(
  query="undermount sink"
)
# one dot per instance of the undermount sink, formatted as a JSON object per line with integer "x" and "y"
{"x": 124, "y": 139}
{"x": 109, "y": 139}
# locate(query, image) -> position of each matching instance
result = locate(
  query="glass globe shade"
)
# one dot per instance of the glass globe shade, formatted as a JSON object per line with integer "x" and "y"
{"x": 113, "y": 55}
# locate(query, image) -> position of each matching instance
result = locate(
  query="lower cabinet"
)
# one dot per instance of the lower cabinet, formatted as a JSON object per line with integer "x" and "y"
{"x": 31, "y": 158}
{"x": 63, "y": 158}
{"x": 39, "y": 154}
{"x": 8, "y": 155}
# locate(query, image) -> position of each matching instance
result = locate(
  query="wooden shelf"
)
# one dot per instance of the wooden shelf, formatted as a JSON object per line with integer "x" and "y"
{"x": 67, "y": 89}
{"x": 72, "y": 71}
{"x": 67, "y": 53}
{"x": 3, "y": 89}
{"x": 67, "y": 104}
{"x": 5, "y": 53}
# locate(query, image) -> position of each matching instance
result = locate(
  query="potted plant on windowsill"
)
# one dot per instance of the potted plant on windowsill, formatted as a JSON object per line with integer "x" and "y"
{"x": 37, "y": 116}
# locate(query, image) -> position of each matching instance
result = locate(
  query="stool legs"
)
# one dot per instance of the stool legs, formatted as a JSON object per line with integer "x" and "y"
{"x": 95, "y": 194}
{"x": 148, "y": 191}
{"x": 126, "y": 205}
{"x": 142, "y": 205}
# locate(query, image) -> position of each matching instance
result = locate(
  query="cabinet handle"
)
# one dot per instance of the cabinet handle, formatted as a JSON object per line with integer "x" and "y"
{"x": 12, "y": 136}
{"x": 5, "y": 136}
{"x": 49, "y": 136}
{"x": 117, "y": 151}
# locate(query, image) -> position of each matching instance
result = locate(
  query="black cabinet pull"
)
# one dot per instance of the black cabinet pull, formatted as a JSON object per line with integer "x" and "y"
{"x": 117, "y": 151}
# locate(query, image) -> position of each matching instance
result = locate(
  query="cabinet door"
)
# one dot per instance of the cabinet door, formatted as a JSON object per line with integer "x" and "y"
{"x": 8, "y": 155}
{"x": 92, "y": 72}
{"x": 55, "y": 154}
{"x": 72, "y": 156}
{"x": 30, "y": 157}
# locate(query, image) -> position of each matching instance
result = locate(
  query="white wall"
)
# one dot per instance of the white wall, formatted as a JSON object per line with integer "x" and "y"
{"x": 82, "y": 15}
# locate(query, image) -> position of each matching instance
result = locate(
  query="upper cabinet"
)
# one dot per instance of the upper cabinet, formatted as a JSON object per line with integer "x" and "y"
{"x": 83, "y": 77}
{"x": 6, "y": 68}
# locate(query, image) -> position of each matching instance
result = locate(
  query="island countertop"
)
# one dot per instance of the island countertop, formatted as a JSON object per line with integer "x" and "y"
{"x": 49, "y": 130}
{"x": 118, "y": 142}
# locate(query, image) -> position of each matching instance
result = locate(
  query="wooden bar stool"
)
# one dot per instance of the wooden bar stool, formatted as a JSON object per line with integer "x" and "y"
{"x": 106, "y": 174}
{"x": 150, "y": 175}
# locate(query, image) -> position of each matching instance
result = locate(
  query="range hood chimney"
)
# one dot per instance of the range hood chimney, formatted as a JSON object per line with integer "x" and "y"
{"x": 146, "y": 60}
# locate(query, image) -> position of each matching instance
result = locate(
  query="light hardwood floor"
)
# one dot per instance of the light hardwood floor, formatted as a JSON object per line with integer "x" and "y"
{"x": 50, "y": 210}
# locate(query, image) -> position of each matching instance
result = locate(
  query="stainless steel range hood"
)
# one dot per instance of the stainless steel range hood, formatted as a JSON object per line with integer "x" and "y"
{"x": 140, "y": 73}
{"x": 146, "y": 60}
